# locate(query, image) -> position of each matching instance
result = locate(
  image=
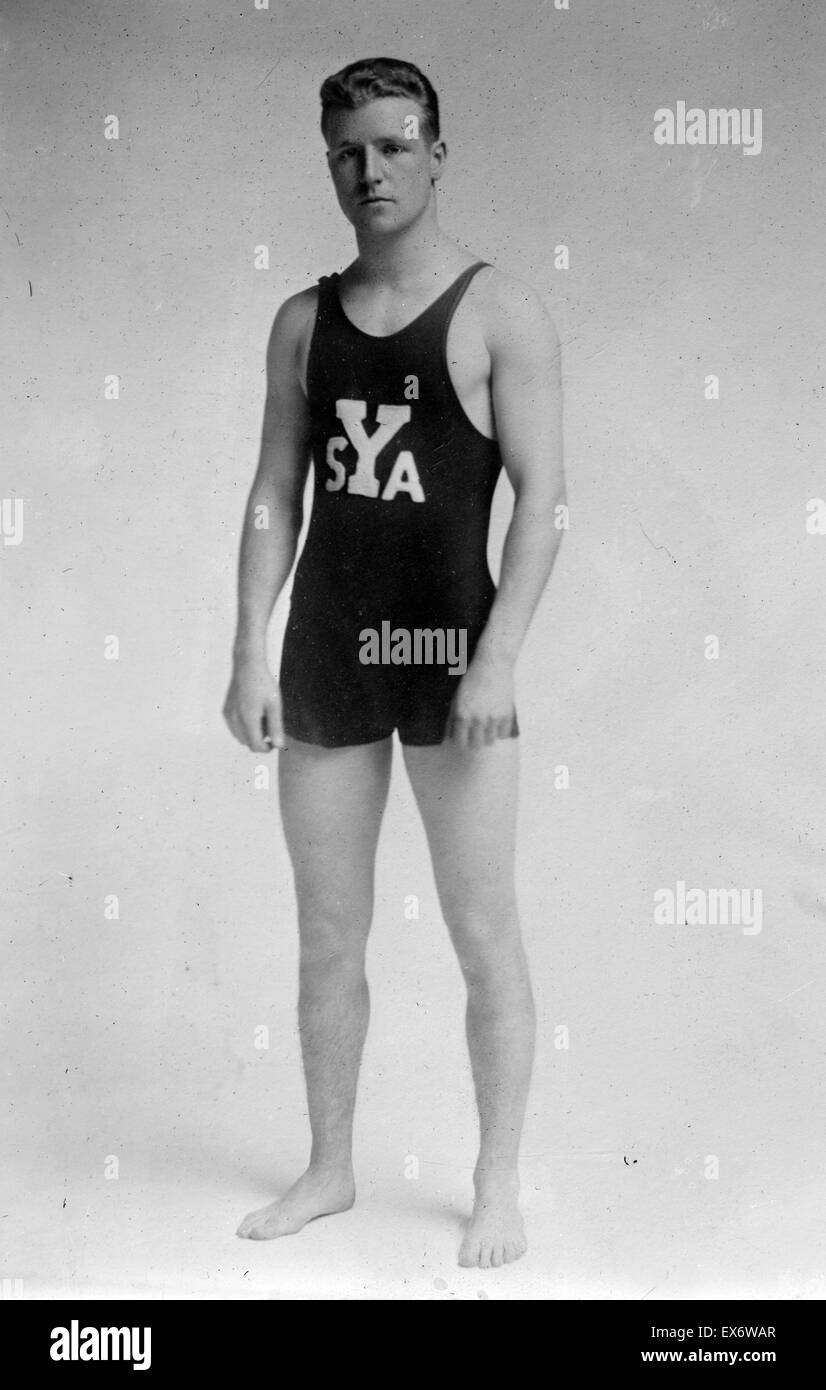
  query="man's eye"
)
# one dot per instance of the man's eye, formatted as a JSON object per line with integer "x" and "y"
{"x": 395, "y": 148}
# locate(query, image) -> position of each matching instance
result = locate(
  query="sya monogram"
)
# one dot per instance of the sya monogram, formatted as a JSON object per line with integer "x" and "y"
{"x": 363, "y": 481}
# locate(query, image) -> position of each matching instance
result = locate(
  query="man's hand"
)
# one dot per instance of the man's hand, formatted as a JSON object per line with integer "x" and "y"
{"x": 252, "y": 708}
{"x": 482, "y": 709}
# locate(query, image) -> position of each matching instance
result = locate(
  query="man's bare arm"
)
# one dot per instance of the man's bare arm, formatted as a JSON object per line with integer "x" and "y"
{"x": 526, "y": 390}
{"x": 272, "y": 522}
{"x": 527, "y": 401}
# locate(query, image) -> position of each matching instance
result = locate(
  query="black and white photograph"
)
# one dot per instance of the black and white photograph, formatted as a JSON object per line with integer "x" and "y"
{"x": 413, "y": 556}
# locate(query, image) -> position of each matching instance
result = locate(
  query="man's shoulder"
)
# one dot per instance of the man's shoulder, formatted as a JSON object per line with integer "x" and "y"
{"x": 292, "y": 326}
{"x": 510, "y": 304}
{"x": 297, "y": 310}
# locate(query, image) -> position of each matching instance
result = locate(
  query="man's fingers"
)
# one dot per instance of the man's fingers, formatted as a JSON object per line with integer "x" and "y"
{"x": 249, "y": 730}
{"x": 233, "y": 723}
{"x": 476, "y": 734}
{"x": 273, "y": 728}
{"x": 256, "y": 737}
{"x": 252, "y": 710}
{"x": 459, "y": 731}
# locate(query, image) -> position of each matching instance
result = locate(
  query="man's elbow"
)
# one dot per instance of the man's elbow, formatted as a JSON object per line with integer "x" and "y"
{"x": 541, "y": 500}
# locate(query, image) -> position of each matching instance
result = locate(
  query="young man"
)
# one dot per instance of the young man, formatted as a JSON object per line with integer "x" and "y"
{"x": 410, "y": 379}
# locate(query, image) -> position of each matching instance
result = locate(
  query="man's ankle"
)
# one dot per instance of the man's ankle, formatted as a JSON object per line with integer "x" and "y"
{"x": 491, "y": 1174}
{"x": 331, "y": 1166}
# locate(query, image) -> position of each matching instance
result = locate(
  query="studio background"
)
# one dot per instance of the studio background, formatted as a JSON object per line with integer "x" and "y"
{"x": 135, "y": 1039}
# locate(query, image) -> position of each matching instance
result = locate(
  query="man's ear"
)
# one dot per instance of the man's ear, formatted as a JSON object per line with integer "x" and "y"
{"x": 435, "y": 176}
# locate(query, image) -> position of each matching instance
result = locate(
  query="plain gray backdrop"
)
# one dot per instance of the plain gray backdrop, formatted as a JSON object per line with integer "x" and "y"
{"x": 674, "y": 1139}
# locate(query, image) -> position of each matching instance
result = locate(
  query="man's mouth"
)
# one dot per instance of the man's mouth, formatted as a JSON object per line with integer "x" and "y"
{"x": 376, "y": 200}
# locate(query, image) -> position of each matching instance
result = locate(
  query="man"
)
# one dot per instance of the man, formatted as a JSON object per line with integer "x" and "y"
{"x": 411, "y": 378}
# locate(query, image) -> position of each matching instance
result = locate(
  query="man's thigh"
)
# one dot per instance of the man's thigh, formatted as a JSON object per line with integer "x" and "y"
{"x": 467, "y": 799}
{"x": 332, "y": 801}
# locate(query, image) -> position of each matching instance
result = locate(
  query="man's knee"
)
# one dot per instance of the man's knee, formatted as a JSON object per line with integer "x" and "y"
{"x": 332, "y": 932}
{"x": 485, "y": 936}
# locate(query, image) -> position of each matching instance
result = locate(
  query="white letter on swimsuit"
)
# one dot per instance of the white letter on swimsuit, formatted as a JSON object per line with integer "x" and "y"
{"x": 390, "y": 419}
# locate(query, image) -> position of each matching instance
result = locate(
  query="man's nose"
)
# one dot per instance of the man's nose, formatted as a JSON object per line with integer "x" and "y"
{"x": 371, "y": 166}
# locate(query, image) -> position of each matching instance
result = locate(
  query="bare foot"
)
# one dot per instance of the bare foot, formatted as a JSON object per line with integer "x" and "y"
{"x": 495, "y": 1234}
{"x": 315, "y": 1194}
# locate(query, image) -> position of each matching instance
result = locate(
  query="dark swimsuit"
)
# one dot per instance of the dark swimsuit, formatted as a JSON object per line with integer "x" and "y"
{"x": 398, "y": 531}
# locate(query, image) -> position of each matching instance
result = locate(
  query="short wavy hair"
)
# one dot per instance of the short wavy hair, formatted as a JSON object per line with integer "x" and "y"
{"x": 372, "y": 78}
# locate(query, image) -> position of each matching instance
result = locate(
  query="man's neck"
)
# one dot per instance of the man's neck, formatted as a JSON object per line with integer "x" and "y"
{"x": 415, "y": 254}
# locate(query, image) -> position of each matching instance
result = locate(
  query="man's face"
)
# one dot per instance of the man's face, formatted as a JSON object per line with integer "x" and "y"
{"x": 381, "y": 164}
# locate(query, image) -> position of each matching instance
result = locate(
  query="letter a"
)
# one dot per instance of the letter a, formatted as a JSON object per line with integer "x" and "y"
{"x": 404, "y": 478}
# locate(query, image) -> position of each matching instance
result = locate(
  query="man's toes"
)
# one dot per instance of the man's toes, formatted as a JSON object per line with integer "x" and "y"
{"x": 484, "y": 1255}
{"x": 251, "y": 1226}
{"x": 497, "y": 1256}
